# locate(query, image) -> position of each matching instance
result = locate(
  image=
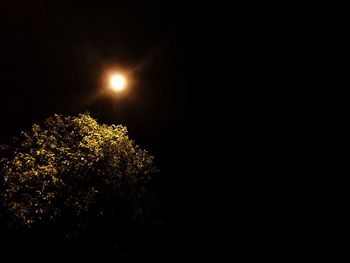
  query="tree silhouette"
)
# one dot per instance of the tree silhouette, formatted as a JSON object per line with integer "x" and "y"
{"x": 72, "y": 173}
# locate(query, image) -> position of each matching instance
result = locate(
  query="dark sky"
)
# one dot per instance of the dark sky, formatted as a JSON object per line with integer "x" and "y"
{"x": 54, "y": 53}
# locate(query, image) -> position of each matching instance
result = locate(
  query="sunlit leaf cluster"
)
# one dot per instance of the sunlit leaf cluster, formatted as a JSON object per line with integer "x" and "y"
{"x": 73, "y": 168}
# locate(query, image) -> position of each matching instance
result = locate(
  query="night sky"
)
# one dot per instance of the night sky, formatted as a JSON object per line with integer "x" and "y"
{"x": 53, "y": 55}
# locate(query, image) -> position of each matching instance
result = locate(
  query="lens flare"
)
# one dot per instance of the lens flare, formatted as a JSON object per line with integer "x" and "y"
{"x": 118, "y": 82}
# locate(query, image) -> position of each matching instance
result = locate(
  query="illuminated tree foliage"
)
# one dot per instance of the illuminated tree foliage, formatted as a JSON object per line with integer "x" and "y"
{"x": 71, "y": 171}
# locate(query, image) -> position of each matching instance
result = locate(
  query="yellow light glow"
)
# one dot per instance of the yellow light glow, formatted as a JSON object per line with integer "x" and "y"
{"x": 118, "y": 82}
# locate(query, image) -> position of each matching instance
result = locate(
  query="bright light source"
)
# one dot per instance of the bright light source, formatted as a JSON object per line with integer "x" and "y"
{"x": 118, "y": 82}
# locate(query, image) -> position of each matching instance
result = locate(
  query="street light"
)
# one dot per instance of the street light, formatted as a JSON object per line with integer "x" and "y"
{"x": 118, "y": 82}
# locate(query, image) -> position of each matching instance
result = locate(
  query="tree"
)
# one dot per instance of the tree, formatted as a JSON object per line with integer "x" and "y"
{"x": 73, "y": 171}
